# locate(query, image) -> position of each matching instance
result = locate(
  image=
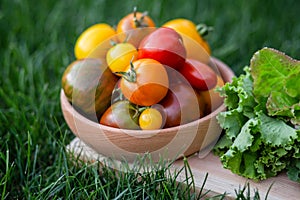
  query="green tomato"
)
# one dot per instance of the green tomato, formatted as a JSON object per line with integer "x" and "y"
{"x": 121, "y": 114}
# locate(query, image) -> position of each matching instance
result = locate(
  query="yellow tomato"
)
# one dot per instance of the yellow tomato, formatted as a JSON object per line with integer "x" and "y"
{"x": 187, "y": 28}
{"x": 120, "y": 55}
{"x": 150, "y": 119}
{"x": 91, "y": 38}
{"x": 212, "y": 98}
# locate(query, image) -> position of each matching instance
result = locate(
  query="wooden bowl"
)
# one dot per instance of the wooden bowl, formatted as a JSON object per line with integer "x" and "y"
{"x": 170, "y": 143}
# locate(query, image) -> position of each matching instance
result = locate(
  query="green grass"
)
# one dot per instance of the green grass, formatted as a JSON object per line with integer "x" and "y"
{"x": 36, "y": 44}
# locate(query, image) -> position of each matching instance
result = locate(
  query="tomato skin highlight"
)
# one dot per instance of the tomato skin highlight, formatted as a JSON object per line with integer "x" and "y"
{"x": 199, "y": 75}
{"x": 151, "y": 83}
{"x": 164, "y": 45}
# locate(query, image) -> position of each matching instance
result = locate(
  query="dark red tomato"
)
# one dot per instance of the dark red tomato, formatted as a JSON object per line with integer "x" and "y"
{"x": 182, "y": 105}
{"x": 199, "y": 75}
{"x": 121, "y": 114}
{"x": 164, "y": 45}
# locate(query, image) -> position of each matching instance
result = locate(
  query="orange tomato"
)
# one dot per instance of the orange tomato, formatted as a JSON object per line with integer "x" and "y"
{"x": 145, "y": 82}
{"x": 129, "y": 27}
{"x": 212, "y": 98}
{"x": 134, "y": 20}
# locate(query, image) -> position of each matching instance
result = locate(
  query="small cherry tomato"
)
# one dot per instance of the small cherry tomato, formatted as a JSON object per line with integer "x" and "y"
{"x": 134, "y": 20}
{"x": 199, "y": 75}
{"x": 91, "y": 38}
{"x": 120, "y": 55}
{"x": 145, "y": 82}
{"x": 150, "y": 119}
{"x": 121, "y": 114}
{"x": 164, "y": 45}
{"x": 212, "y": 98}
{"x": 189, "y": 29}
{"x": 182, "y": 105}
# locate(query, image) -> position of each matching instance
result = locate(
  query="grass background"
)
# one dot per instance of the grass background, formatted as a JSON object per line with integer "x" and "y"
{"x": 36, "y": 44}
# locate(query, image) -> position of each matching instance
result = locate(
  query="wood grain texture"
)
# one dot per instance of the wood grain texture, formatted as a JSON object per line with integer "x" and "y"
{"x": 219, "y": 180}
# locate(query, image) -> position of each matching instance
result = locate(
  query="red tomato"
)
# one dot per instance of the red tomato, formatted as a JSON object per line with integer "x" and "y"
{"x": 199, "y": 75}
{"x": 164, "y": 45}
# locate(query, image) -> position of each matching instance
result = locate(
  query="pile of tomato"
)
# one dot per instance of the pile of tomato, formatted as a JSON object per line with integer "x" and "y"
{"x": 163, "y": 78}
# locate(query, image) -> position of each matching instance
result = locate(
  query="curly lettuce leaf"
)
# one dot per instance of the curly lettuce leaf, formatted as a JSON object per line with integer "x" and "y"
{"x": 222, "y": 146}
{"x": 293, "y": 171}
{"x": 239, "y": 158}
{"x": 240, "y": 103}
{"x": 276, "y": 79}
{"x": 238, "y": 94}
{"x": 232, "y": 122}
{"x": 276, "y": 132}
{"x": 255, "y": 145}
{"x": 266, "y": 147}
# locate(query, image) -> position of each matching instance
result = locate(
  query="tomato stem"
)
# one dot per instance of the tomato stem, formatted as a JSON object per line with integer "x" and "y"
{"x": 143, "y": 108}
{"x": 136, "y": 110}
{"x": 118, "y": 95}
{"x": 130, "y": 75}
{"x": 139, "y": 22}
{"x": 113, "y": 43}
{"x": 204, "y": 30}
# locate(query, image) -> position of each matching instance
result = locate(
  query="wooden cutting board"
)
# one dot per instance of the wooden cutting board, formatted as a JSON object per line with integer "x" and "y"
{"x": 219, "y": 180}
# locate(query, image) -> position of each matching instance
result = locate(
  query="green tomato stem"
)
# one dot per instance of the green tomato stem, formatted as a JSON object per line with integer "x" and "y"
{"x": 143, "y": 108}
{"x": 204, "y": 30}
{"x": 130, "y": 75}
{"x": 139, "y": 22}
{"x": 113, "y": 43}
{"x": 136, "y": 110}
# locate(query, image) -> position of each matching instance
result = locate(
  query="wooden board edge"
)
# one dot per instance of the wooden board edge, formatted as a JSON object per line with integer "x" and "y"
{"x": 219, "y": 180}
